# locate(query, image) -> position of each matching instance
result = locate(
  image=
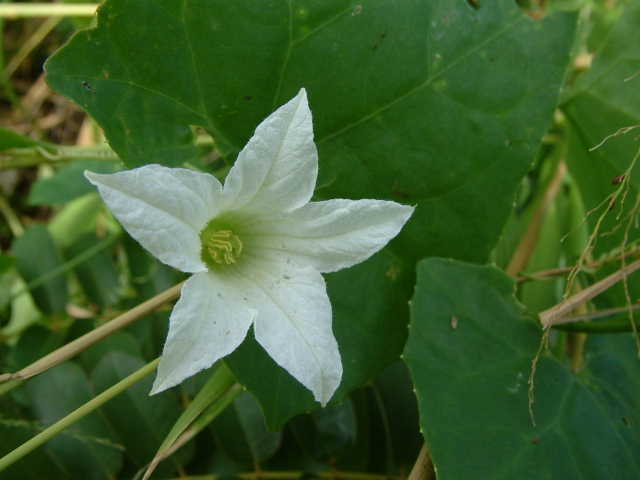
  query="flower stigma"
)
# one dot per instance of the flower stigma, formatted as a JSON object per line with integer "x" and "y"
{"x": 220, "y": 245}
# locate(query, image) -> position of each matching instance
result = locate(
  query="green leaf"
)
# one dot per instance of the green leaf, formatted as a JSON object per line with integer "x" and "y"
{"x": 123, "y": 342}
{"x": 470, "y": 350}
{"x": 43, "y": 462}
{"x": 369, "y": 321}
{"x": 77, "y": 218}
{"x": 34, "y": 343}
{"x": 36, "y": 255}
{"x": 98, "y": 275}
{"x": 242, "y": 433}
{"x": 10, "y": 139}
{"x": 140, "y": 422}
{"x": 6, "y": 262}
{"x": 396, "y": 402}
{"x": 434, "y": 103}
{"x": 337, "y": 428}
{"x": 68, "y": 183}
{"x": 88, "y": 451}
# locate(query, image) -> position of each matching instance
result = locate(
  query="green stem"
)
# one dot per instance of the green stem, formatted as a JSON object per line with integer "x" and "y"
{"x": 221, "y": 381}
{"x": 32, "y": 156}
{"x": 10, "y": 216}
{"x": 54, "y": 154}
{"x": 614, "y": 326}
{"x": 212, "y": 396}
{"x": 208, "y": 416}
{"x": 67, "y": 266}
{"x": 76, "y": 415}
{"x": 27, "y": 47}
{"x": 22, "y": 10}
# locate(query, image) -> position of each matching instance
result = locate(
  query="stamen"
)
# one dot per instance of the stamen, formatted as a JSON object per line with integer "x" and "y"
{"x": 220, "y": 247}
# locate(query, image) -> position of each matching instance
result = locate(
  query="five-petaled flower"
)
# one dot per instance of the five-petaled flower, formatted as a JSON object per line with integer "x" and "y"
{"x": 256, "y": 248}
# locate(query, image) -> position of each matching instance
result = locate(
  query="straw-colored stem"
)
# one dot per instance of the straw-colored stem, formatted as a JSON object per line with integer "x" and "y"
{"x": 78, "y": 345}
{"x": 554, "y": 315}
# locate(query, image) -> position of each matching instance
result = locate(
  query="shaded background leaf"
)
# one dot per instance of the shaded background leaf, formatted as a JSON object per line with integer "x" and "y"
{"x": 88, "y": 450}
{"x": 36, "y": 255}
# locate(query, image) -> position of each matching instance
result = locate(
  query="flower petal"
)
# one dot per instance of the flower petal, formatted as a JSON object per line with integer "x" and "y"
{"x": 163, "y": 208}
{"x": 294, "y": 323}
{"x": 209, "y": 321}
{"x": 278, "y": 168}
{"x": 331, "y": 235}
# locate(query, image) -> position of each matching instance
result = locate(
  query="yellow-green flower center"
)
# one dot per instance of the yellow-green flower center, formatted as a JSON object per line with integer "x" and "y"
{"x": 220, "y": 246}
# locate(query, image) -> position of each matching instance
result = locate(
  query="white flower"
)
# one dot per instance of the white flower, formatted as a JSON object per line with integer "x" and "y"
{"x": 256, "y": 248}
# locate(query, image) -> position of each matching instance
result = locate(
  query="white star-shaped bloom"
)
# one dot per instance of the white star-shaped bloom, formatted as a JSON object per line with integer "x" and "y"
{"x": 256, "y": 248}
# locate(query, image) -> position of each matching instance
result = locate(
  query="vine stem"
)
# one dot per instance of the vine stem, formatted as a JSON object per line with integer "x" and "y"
{"x": 529, "y": 240}
{"x": 27, "y": 47}
{"x": 22, "y": 10}
{"x": 555, "y": 315}
{"x": 76, "y": 415}
{"x": 78, "y": 345}
{"x": 553, "y": 272}
{"x": 10, "y": 216}
{"x": 52, "y": 154}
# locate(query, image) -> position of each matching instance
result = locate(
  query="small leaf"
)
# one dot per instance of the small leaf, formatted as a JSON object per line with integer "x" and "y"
{"x": 68, "y": 183}
{"x": 34, "y": 343}
{"x": 139, "y": 421}
{"x": 77, "y": 218}
{"x": 89, "y": 450}
{"x": 242, "y": 432}
{"x": 98, "y": 274}
{"x": 43, "y": 463}
{"x": 36, "y": 255}
{"x": 6, "y": 262}
{"x": 10, "y": 139}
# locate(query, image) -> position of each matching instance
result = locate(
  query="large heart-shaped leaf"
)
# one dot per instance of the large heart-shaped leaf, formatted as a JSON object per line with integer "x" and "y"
{"x": 435, "y": 103}
{"x": 470, "y": 350}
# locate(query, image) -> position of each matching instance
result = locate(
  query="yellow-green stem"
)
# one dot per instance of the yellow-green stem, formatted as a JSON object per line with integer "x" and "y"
{"x": 27, "y": 47}
{"x": 22, "y": 10}
{"x": 10, "y": 216}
